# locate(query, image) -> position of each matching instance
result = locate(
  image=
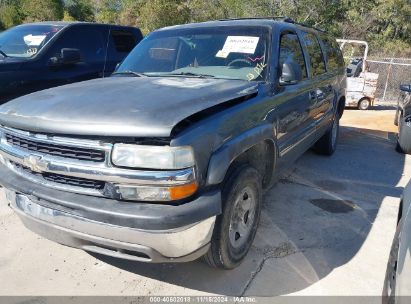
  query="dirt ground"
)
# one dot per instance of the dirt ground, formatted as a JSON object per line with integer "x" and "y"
{"x": 326, "y": 229}
{"x": 378, "y": 122}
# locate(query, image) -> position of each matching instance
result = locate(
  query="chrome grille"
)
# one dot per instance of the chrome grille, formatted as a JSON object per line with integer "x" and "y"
{"x": 63, "y": 179}
{"x": 56, "y": 149}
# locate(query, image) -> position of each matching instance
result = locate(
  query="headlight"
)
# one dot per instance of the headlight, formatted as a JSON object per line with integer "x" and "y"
{"x": 152, "y": 157}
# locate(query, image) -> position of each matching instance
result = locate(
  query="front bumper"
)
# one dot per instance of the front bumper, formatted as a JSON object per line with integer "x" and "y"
{"x": 176, "y": 245}
{"x": 130, "y": 230}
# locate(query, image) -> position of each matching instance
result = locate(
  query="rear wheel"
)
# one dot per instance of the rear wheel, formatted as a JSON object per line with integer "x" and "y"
{"x": 236, "y": 227}
{"x": 327, "y": 144}
{"x": 364, "y": 104}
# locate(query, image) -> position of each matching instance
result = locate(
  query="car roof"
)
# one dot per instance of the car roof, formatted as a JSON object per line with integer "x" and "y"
{"x": 70, "y": 23}
{"x": 267, "y": 21}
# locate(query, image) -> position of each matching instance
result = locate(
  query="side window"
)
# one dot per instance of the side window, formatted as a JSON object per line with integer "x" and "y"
{"x": 123, "y": 41}
{"x": 290, "y": 49}
{"x": 89, "y": 41}
{"x": 315, "y": 53}
{"x": 333, "y": 56}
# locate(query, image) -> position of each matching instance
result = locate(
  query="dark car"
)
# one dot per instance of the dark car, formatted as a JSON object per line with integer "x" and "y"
{"x": 403, "y": 119}
{"x": 38, "y": 56}
{"x": 168, "y": 159}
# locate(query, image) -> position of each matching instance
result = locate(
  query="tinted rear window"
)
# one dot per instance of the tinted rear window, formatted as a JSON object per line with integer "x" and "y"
{"x": 124, "y": 41}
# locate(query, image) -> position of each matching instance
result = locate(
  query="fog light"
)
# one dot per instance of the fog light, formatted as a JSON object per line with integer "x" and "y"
{"x": 152, "y": 193}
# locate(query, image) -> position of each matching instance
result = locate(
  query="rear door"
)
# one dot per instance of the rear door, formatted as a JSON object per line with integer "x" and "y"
{"x": 322, "y": 95}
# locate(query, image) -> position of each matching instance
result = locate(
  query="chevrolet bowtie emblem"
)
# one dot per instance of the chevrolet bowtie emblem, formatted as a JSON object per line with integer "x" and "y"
{"x": 35, "y": 163}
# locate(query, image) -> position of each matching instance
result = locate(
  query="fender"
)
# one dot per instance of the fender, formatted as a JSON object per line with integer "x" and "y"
{"x": 222, "y": 158}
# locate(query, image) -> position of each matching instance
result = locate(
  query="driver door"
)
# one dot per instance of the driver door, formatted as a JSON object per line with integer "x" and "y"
{"x": 294, "y": 123}
{"x": 89, "y": 41}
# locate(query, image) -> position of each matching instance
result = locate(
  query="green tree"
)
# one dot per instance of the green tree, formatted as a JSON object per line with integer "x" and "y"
{"x": 107, "y": 11}
{"x": 80, "y": 10}
{"x": 159, "y": 13}
{"x": 130, "y": 12}
{"x": 41, "y": 10}
{"x": 9, "y": 16}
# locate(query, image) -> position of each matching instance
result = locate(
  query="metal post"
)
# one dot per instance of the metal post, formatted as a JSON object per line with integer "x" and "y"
{"x": 388, "y": 77}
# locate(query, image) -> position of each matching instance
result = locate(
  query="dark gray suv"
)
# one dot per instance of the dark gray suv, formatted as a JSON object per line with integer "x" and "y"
{"x": 168, "y": 159}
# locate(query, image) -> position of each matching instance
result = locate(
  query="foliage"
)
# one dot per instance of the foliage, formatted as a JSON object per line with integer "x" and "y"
{"x": 160, "y": 13}
{"x": 40, "y": 10}
{"x": 9, "y": 16}
{"x": 80, "y": 10}
{"x": 385, "y": 24}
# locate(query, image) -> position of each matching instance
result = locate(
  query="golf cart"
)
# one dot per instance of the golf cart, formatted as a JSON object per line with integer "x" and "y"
{"x": 361, "y": 84}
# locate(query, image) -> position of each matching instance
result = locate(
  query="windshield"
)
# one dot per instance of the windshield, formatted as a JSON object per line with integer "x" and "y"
{"x": 25, "y": 41}
{"x": 218, "y": 52}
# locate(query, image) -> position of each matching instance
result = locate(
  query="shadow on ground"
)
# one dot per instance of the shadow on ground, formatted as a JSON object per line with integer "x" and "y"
{"x": 314, "y": 220}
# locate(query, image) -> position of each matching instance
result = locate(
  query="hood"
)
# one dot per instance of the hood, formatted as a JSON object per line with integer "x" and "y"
{"x": 120, "y": 106}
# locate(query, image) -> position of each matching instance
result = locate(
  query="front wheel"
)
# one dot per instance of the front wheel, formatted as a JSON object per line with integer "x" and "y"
{"x": 364, "y": 104}
{"x": 236, "y": 227}
{"x": 327, "y": 144}
{"x": 404, "y": 135}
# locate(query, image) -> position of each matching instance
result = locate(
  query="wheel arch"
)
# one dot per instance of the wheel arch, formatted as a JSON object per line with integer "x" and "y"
{"x": 255, "y": 147}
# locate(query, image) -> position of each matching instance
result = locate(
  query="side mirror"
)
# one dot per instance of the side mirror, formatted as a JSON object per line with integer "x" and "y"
{"x": 405, "y": 87}
{"x": 67, "y": 57}
{"x": 291, "y": 73}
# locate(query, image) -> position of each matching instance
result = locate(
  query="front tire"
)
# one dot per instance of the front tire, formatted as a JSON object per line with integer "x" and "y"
{"x": 364, "y": 104}
{"x": 236, "y": 227}
{"x": 327, "y": 144}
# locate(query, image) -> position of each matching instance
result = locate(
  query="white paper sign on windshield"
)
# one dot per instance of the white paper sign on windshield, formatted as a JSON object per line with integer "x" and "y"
{"x": 31, "y": 40}
{"x": 238, "y": 44}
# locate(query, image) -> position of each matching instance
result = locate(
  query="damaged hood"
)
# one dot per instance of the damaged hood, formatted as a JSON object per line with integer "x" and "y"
{"x": 120, "y": 106}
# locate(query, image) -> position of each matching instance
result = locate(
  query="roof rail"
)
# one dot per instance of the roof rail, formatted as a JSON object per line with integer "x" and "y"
{"x": 281, "y": 18}
{"x": 278, "y": 18}
{"x": 306, "y": 25}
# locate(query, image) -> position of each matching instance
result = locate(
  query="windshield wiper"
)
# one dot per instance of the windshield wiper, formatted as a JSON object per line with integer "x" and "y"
{"x": 3, "y": 54}
{"x": 190, "y": 74}
{"x": 130, "y": 73}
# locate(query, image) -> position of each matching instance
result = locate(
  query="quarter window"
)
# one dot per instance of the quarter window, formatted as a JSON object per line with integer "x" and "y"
{"x": 315, "y": 53}
{"x": 290, "y": 49}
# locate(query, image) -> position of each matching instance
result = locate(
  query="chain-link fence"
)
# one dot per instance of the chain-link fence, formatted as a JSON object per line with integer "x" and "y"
{"x": 392, "y": 72}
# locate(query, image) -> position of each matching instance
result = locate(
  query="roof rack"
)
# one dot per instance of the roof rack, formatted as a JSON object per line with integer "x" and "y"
{"x": 281, "y": 18}
{"x": 277, "y": 18}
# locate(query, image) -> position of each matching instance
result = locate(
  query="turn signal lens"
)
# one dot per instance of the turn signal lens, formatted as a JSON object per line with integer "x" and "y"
{"x": 156, "y": 194}
{"x": 183, "y": 191}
